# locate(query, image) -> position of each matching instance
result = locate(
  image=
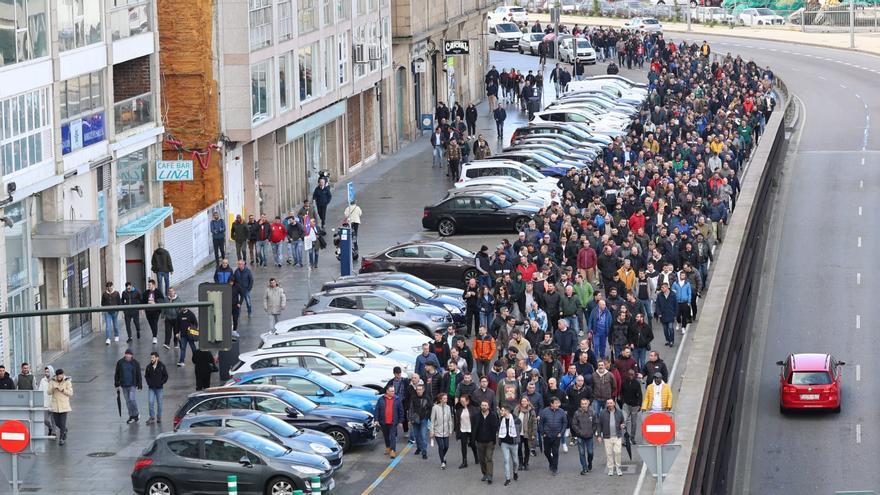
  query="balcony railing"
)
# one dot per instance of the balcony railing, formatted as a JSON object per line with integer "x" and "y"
{"x": 133, "y": 112}
{"x": 130, "y": 20}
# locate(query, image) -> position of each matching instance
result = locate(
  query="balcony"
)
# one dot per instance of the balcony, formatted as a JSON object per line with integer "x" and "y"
{"x": 129, "y": 21}
{"x": 133, "y": 112}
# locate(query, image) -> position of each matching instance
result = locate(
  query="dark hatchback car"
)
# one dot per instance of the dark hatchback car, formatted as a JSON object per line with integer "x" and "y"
{"x": 477, "y": 211}
{"x": 198, "y": 461}
{"x": 437, "y": 262}
{"x": 346, "y": 425}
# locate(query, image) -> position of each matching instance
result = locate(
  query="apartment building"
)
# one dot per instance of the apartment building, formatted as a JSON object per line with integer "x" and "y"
{"x": 79, "y": 134}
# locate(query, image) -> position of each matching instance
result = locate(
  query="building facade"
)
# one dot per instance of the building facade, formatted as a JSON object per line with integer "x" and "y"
{"x": 79, "y": 135}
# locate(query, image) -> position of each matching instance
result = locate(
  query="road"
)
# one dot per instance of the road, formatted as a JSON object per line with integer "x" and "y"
{"x": 822, "y": 278}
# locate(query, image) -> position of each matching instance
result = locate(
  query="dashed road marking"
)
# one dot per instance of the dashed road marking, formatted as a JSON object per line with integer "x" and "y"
{"x": 858, "y": 372}
{"x": 822, "y": 78}
{"x": 859, "y": 241}
{"x": 842, "y": 86}
{"x": 859, "y": 433}
{"x": 863, "y": 160}
{"x": 858, "y": 322}
{"x": 861, "y": 182}
{"x": 859, "y": 278}
{"x": 860, "y": 211}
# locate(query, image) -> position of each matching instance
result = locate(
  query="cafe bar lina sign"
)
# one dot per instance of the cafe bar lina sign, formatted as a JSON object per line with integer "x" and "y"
{"x": 174, "y": 170}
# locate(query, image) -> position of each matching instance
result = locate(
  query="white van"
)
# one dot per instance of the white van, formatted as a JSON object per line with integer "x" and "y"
{"x": 504, "y": 13}
{"x": 504, "y": 35}
{"x": 508, "y": 168}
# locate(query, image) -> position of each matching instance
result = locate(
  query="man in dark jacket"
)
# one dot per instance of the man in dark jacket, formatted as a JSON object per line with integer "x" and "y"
{"x": 218, "y": 237}
{"x": 500, "y": 115}
{"x": 655, "y": 365}
{"x": 322, "y": 196}
{"x": 631, "y": 396}
{"x": 470, "y": 116}
{"x": 155, "y": 375}
{"x": 25, "y": 379}
{"x": 153, "y": 296}
{"x": 485, "y": 430}
{"x": 550, "y": 304}
{"x": 162, "y": 266}
{"x": 223, "y": 272}
{"x": 389, "y": 412}
{"x": 641, "y": 335}
{"x": 583, "y": 427}
{"x": 240, "y": 235}
{"x": 471, "y": 296}
{"x": 253, "y": 236}
{"x": 245, "y": 280}
{"x": 566, "y": 340}
{"x": 6, "y": 381}
{"x": 666, "y": 308}
{"x": 203, "y": 364}
{"x": 552, "y": 422}
{"x": 419, "y": 415}
{"x": 129, "y": 297}
{"x": 127, "y": 378}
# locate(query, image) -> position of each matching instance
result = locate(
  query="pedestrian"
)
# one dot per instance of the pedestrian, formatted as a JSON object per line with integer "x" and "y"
{"x": 419, "y": 414}
{"x": 203, "y": 365}
{"x": 683, "y": 295}
{"x": 484, "y": 351}
{"x": 264, "y": 232}
{"x": 130, "y": 297}
{"x": 6, "y": 381}
{"x": 277, "y": 236}
{"x": 600, "y": 323}
{"x": 499, "y": 114}
{"x": 658, "y": 395}
{"x": 253, "y": 237}
{"x": 245, "y": 280}
{"x": 463, "y": 422}
{"x": 45, "y": 381}
{"x": 509, "y": 438}
{"x": 312, "y": 242}
{"x": 274, "y": 301}
{"x": 188, "y": 330}
{"x": 389, "y": 412}
{"x": 610, "y": 431}
{"x": 528, "y": 420}
{"x": 223, "y": 272}
{"x": 218, "y": 237}
{"x": 322, "y": 195}
{"x": 485, "y": 430}
{"x": 583, "y": 427}
{"x": 438, "y": 144}
{"x": 25, "y": 379}
{"x": 110, "y": 297}
{"x": 60, "y": 391}
{"x": 441, "y": 425}
{"x": 155, "y": 375}
{"x": 604, "y": 385}
{"x": 666, "y": 309}
{"x": 170, "y": 315}
{"x": 352, "y": 215}
{"x": 163, "y": 267}
{"x": 552, "y": 422}
{"x": 481, "y": 148}
{"x": 631, "y": 396}
{"x": 453, "y": 158}
{"x": 153, "y": 296}
{"x": 127, "y": 378}
{"x": 240, "y": 235}
{"x": 470, "y": 116}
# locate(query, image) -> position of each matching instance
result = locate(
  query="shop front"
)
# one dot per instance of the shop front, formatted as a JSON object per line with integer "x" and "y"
{"x": 20, "y": 340}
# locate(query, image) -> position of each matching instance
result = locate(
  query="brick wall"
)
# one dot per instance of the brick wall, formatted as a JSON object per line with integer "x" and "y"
{"x": 353, "y": 128}
{"x": 131, "y": 78}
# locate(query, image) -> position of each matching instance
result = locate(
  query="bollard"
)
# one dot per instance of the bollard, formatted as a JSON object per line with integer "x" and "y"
{"x": 316, "y": 485}
{"x": 297, "y": 492}
{"x": 232, "y": 484}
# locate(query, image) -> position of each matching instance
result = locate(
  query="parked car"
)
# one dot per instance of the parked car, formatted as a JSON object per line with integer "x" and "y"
{"x": 382, "y": 303}
{"x": 200, "y": 460}
{"x": 437, "y": 262}
{"x": 644, "y": 24}
{"x": 509, "y": 182}
{"x": 529, "y": 42}
{"x": 509, "y": 168}
{"x": 348, "y": 426}
{"x": 809, "y": 381}
{"x": 320, "y": 359}
{"x": 319, "y": 388}
{"x": 435, "y": 289}
{"x": 572, "y": 114}
{"x": 504, "y": 35}
{"x": 577, "y": 48}
{"x": 271, "y": 428}
{"x": 714, "y": 14}
{"x": 416, "y": 293}
{"x": 504, "y": 192}
{"x": 543, "y": 164}
{"x": 476, "y": 211}
{"x": 504, "y": 13}
{"x": 761, "y": 16}
{"x": 356, "y": 347}
{"x": 403, "y": 339}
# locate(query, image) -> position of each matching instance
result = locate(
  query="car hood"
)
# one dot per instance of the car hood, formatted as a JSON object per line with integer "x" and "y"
{"x": 304, "y": 459}
{"x": 404, "y": 341}
{"x": 458, "y": 302}
{"x": 427, "y": 309}
{"x": 301, "y": 442}
{"x": 362, "y": 393}
{"x": 524, "y": 208}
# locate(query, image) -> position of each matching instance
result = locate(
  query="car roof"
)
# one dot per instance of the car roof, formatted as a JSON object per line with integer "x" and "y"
{"x": 239, "y": 389}
{"x": 269, "y": 351}
{"x": 279, "y": 370}
{"x": 303, "y": 334}
{"x": 810, "y": 362}
{"x": 321, "y": 318}
{"x": 356, "y": 289}
{"x": 213, "y": 413}
{"x": 200, "y": 432}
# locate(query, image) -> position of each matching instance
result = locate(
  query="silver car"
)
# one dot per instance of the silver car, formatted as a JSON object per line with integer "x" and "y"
{"x": 353, "y": 346}
{"x": 403, "y": 339}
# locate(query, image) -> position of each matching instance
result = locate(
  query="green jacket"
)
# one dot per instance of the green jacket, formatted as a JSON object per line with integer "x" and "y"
{"x": 584, "y": 291}
{"x": 240, "y": 232}
{"x": 568, "y": 306}
{"x": 517, "y": 289}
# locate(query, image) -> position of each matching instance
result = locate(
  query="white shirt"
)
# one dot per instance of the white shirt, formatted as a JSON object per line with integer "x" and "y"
{"x": 465, "y": 425}
{"x": 657, "y": 400}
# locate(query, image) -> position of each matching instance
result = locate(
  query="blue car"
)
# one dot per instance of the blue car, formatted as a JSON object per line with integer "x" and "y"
{"x": 318, "y": 387}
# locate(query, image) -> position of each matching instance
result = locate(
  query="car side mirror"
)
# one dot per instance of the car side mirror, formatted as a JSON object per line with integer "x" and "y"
{"x": 361, "y": 355}
{"x": 291, "y": 412}
{"x": 390, "y": 310}
{"x": 448, "y": 257}
{"x": 841, "y": 363}
{"x": 245, "y": 461}
{"x": 337, "y": 372}
{"x": 780, "y": 363}
{"x": 320, "y": 392}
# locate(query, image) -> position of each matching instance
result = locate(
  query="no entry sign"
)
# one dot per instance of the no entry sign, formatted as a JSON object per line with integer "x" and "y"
{"x": 14, "y": 436}
{"x": 658, "y": 429}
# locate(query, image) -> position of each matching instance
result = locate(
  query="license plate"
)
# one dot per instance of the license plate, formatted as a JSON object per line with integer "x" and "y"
{"x": 810, "y": 397}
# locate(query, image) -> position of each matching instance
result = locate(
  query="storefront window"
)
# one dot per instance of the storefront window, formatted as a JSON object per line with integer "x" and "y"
{"x": 308, "y": 64}
{"x": 132, "y": 176}
{"x": 79, "y": 23}
{"x": 261, "y": 91}
{"x": 16, "y": 248}
{"x": 24, "y": 30}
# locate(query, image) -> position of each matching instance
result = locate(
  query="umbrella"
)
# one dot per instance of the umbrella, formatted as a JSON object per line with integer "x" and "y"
{"x": 628, "y": 445}
{"x": 549, "y": 37}
{"x": 118, "y": 403}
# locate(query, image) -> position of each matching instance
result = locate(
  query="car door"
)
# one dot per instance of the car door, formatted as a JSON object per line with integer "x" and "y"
{"x": 184, "y": 465}
{"x": 463, "y": 212}
{"x": 491, "y": 216}
{"x": 378, "y": 306}
{"x": 223, "y": 458}
{"x": 307, "y": 389}
{"x": 447, "y": 269}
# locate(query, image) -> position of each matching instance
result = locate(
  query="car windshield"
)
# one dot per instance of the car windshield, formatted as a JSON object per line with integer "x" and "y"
{"x": 506, "y": 27}
{"x": 296, "y": 400}
{"x": 417, "y": 290}
{"x": 328, "y": 382}
{"x": 397, "y": 299}
{"x": 517, "y": 9}
{"x": 584, "y": 44}
{"x": 498, "y": 200}
{"x": 378, "y": 325}
{"x": 765, "y": 12}
{"x": 260, "y": 444}
{"x": 650, "y": 21}
{"x": 810, "y": 378}
{"x": 342, "y": 361}
{"x": 457, "y": 250}
{"x": 369, "y": 345}
{"x": 277, "y": 426}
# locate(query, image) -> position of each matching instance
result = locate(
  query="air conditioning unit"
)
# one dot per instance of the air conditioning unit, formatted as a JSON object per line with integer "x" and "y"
{"x": 359, "y": 54}
{"x": 374, "y": 52}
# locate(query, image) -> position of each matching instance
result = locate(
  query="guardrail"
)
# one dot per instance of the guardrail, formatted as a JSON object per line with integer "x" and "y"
{"x": 711, "y": 382}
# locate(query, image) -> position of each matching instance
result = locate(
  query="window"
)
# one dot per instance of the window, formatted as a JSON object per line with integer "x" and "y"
{"x": 185, "y": 448}
{"x": 209, "y": 405}
{"x": 79, "y": 23}
{"x": 239, "y": 403}
{"x": 248, "y": 427}
{"x": 360, "y": 38}
{"x": 304, "y": 342}
{"x": 810, "y": 378}
{"x": 343, "y": 302}
{"x": 24, "y": 30}
{"x": 81, "y": 100}
{"x": 373, "y": 303}
{"x": 405, "y": 252}
{"x": 343, "y": 10}
{"x": 435, "y": 252}
{"x": 374, "y": 42}
{"x": 308, "y": 63}
{"x": 329, "y": 64}
{"x": 265, "y": 363}
{"x": 132, "y": 178}
{"x": 284, "y": 70}
{"x": 260, "y": 23}
{"x": 17, "y": 261}
{"x": 462, "y": 203}
{"x": 285, "y": 20}
{"x": 374, "y": 5}
{"x": 319, "y": 365}
{"x": 208, "y": 423}
{"x": 361, "y": 7}
{"x": 271, "y": 405}
{"x": 25, "y": 130}
{"x": 261, "y": 91}
{"x": 385, "y": 46}
{"x": 129, "y": 18}
{"x": 263, "y": 380}
{"x": 305, "y": 16}
{"x": 344, "y": 348}
{"x": 326, "y": 12}
{"x": 220, "y": 451}
{"x": 342, "y": 61}
{"x": 299, "y": 385}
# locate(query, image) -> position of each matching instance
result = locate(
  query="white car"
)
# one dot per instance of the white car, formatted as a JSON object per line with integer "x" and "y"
{"x": 595, "y": 123}
{"x": 611, "y": 88}
{"x": 504, "y": 35}
{"x": 577, "y": 48}
{"x": 714, "y": 14}
{"x": 530, "y": 42}
{"x": 546, "y": 196}
{"x": 318, "y": 359}
{"x": 510, "y": 168}
{"x": 760, "y": 17}
{"x": 408, "y": 340}
{"x": 354, "y": 346}
{"x": 644, "y": 24}
{"x": 504, "y": 13}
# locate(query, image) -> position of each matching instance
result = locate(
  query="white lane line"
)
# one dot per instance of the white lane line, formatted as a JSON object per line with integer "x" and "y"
{"x": 859, "y": 433}
{"x": 842, "y": 86}
{"x": 858, "y": 321}
{"x": 861, "y": 183}
{"x": 822, "y": 78}
{"x": 859, "y": 243}
{"x": 860, "y": 211}
{"x": 858, "y": 96}
{"x": 858, "y": 372}
{"x": 859, "y": 278}
{"x": 863, "y": 160}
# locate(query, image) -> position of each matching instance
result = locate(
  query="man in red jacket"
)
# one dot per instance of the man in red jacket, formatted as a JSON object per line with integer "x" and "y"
{"x": 637, "y": 220}
{"x": 586, "y": 262}
{"x": 276, "y": 237}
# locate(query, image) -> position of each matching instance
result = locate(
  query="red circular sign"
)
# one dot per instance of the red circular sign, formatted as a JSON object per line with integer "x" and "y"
{"x": 658, "y": 429}
{"x": 14, "y": 436}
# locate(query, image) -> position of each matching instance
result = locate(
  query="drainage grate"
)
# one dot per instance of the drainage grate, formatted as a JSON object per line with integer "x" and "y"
{"x": 102, "y": 454}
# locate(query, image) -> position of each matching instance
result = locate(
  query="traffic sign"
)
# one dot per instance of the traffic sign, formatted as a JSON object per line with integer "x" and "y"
{"x": 350, "y": 190}
{"x": 658, "y": 428}
{"x": 14, "y": 436}
{"x": 667, "y": 456}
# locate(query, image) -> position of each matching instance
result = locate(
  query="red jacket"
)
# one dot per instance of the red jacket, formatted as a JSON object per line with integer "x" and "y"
{"x": 636, "y": 222}
{"x": 279, "y": 233}
{"x": 528, "y": 271}
{"x": 586, "y": 258}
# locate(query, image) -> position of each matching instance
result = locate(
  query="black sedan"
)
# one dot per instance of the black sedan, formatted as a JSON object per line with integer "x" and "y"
{"x": 437, "y": 262}
{"x": 477, "y": 211}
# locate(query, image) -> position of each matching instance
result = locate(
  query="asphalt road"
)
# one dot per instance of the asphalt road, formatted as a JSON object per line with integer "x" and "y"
{"x": 822, "y": 278}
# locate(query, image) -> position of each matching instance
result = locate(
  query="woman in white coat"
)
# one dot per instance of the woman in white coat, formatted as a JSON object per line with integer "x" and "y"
{"x": 441, "y": 426}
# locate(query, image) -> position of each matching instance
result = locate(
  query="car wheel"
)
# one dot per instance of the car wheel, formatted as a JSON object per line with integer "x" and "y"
{"x": 280, "y": 486}
{"x": 497, "y": 46}
{"x": 446, "y": 227}
{"x": 469, "y": 274}
{"x": 341, "y": 436}
{"x": 422, "y": 329}
{"x": 521, "y": 224}
{"x": 837, "y": 409}
{"x": 520, "y": 51}
{"x": 661, "y": 2}
{"x": 782, "y": 410}
{"x": 159, "y": 486}
{"x": 531, "y": 51}
{"x": 760, "y": 23}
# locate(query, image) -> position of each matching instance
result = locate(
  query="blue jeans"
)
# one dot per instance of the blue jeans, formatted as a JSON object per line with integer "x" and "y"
{"x": 442, "y": 447}
{"x": 617, "y": 349}
{"x": 484, "y": 280}
{"x": 154, "y": 396}
{"x": 598, "y": 405}
{"x": 510, "y": 459}
{"x": 131, "y": 401}
{"x": 573, "y": 323}
{"x": 484, "y": 320}
{"x": 278, "y": 251}
{"x": 437, "y": 157}
{"x": 599, "y": 342}
{"x": 110, "y": 320}
{"x": 163, "y": 288}
{"x": 649, "y": 307}
{"x": 295, "y": 248}
{"x": 421, "y": 434}
{"x": 585, "y": 451}
{"x": 641, "y": 355}
{"x": 247, "y": 301}
{"x": 669, "y": 331}
{"x": 313, "y": 257}
{"x": 186, "y": 339}
{"x": 262, "y": 252}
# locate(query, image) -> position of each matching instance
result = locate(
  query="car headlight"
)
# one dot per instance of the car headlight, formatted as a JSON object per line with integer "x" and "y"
{"x": 307, "y": 470}
{"x": 452, "y": 309}
{"x": 417, "y": 349}
{"x": 438, "y": 319}
{"x": 320, "y": 449}
{"x": 354, "y": 425}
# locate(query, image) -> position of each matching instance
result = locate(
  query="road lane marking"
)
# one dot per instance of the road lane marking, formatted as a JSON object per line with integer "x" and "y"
{"x": 858, "y": 321}
{"x": 859, "y": 433}
{"x": 858, "y": 372}
{"x": 822, "y": 78}
{"x": 861, "y": 182}
{"x": 860, "y": 211}
{"x": 387, "y": 470}
{"x": 859, "y": 278}
{"x": 860, "y": 241}
{"x": 842, "y": 86}
{"x": 863, "y": 162}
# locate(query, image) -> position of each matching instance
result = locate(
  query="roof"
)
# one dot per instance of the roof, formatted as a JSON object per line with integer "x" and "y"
{"x": 319, "y": 318}
{"x": 284, "y": 371}
{"x": 241, "y": 388}
{"x": 294, "y": 350}
{"x": 809, "y": 362}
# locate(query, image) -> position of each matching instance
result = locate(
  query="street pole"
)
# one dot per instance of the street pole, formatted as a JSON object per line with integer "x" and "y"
{"x": 659, "y": 469}
{"x": 15, "y": 490}
{"x": 688, "y": 6}
{"x": 852, "y": 24}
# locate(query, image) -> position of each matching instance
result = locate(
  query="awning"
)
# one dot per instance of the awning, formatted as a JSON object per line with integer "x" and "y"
{"x": 145, "y": 223}
{"x": 65, "y": 239}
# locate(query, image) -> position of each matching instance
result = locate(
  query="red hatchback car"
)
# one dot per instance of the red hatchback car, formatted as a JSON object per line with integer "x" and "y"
{"x": 809, "y": 381}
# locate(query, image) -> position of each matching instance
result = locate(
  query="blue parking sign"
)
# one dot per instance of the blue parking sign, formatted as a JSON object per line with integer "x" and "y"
{"x": 350, "y": 192}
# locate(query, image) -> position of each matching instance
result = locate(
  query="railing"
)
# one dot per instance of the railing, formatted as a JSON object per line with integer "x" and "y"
{"x": 133, "y": 112}
{"x": 129, "y": 21}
